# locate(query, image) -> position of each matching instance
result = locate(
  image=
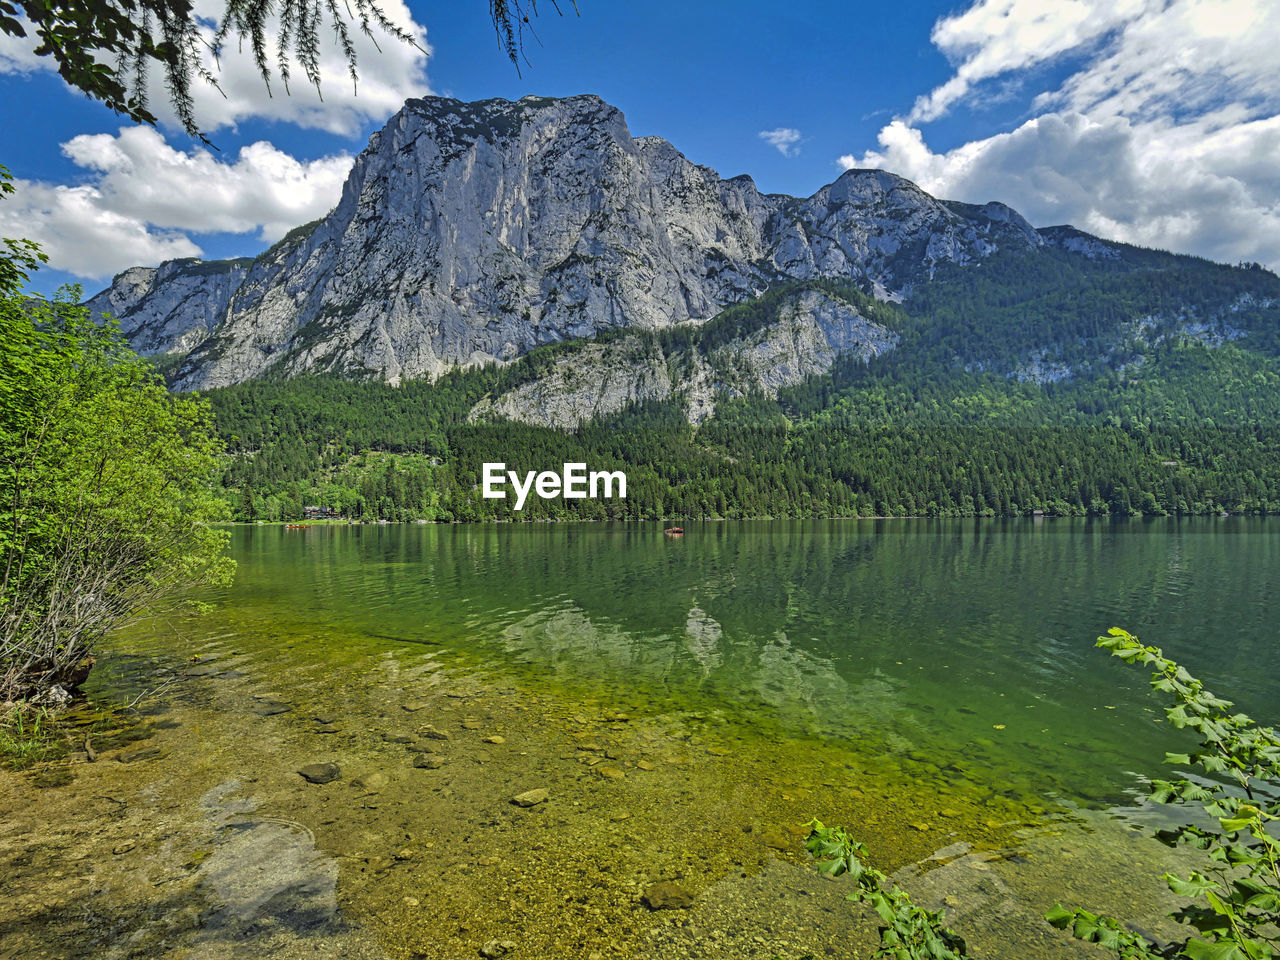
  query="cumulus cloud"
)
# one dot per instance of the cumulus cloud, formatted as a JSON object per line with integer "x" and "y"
{"x": 995, "y": 37}
{"x": 142, "y": 198}
{"x": 16, "y": 54}
{"x": 784, "y": 138}
{"x": 81, "y": 236}
{"x": 389, "y": 73}
{"x": 1166, "y": 133}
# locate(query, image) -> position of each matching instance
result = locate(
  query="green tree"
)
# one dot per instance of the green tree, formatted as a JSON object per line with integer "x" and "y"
{"x": 106, "y": 48}
{"x": 106, "y": 492}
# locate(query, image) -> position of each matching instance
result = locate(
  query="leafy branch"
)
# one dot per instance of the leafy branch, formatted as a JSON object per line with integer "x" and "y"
{"x": 907, "y": 931}
{"x": 1236, "y": 903}
{"x": 1235, "y": 907}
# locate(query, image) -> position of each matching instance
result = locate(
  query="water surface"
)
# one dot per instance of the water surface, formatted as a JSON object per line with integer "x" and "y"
{"x": 688, "y": 703}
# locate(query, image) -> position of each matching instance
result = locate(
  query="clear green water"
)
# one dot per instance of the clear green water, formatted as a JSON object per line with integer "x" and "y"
{"x": 919, "y": 636}
{"x": 687, "y": 703}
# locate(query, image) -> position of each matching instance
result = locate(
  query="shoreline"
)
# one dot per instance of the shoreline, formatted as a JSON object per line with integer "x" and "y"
{"x": 1112, "y": 519}
{"x": 416, "y": 848}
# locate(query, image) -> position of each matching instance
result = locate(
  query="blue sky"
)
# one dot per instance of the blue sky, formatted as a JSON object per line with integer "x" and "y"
{"x": 1152, "y": 121}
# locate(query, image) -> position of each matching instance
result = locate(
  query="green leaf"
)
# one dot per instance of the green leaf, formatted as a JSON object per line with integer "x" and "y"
{"x": 1060, "y": 916}
{"x": 1222, "y": 950}
{"x": 1232, "y": 824}
{"x": 1195, "y": 886}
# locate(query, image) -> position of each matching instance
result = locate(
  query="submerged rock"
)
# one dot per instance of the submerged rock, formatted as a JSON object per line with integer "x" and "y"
{"x": 146, "y": 753}
{"x": 496, "y": 948}
{"x": 531, "y": 798}
{"x": 667, "y": 895}
{"x": 370, "y": 782}
{"x": 320, "y": 772}
{"x": 269, "y": 708}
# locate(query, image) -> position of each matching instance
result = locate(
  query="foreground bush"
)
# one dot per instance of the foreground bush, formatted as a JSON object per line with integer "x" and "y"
{"x": 105, "y": 492}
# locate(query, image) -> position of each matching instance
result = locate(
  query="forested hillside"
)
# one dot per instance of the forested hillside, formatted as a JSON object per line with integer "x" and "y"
{"x": 1134, "y": 383}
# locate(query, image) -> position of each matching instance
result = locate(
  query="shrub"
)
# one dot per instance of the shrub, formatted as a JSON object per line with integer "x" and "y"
{"x": 106, "y": 492}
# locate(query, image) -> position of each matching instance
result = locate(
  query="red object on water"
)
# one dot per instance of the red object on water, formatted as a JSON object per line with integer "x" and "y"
{"x": 674, "y": 531}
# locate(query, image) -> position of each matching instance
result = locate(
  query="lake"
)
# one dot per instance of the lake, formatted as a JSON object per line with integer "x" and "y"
{"x": 687, "y": 703}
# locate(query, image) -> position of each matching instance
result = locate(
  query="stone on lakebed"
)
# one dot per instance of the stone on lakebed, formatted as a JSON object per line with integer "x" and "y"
{"x": 320, "y": 772}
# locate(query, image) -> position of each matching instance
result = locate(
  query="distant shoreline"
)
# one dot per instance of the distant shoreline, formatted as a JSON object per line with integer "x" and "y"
{"x": 1110, "y": 518}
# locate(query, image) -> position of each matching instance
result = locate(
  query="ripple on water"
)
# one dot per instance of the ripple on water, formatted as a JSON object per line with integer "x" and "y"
{"x": 686, "y": 711}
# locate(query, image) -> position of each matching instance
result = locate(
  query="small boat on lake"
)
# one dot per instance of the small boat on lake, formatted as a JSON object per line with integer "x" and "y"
{"x": 674, "y": 531}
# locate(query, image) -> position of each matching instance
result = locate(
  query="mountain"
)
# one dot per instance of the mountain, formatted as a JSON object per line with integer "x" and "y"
{"x": 526, "y": 282}
{"x": 475, "y": 232}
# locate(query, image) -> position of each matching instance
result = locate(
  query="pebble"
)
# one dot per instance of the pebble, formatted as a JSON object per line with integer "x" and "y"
{"x": 667, "y": 895}
{"x": 611, "y": 773}
{"x": 371, "y": 782}
{"x": 431, "y": 733}
{"x": 495, "y": 739}
{"x": 496, "y": 948}
{"x": 146, "y": 753}
{"x": 427, "y": 761}
{"x": 320, "y": 772}
{"x": 775, "y": 838}
{"x": 269, "y": 708}
{"x": 531, "y": 798}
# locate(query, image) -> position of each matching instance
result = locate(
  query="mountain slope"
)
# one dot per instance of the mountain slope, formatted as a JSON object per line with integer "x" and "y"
{"x": 1138, "y": 382}
{"x": 468, "y": 233}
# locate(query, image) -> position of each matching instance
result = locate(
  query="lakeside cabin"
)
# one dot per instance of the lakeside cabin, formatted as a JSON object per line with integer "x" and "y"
{"x": 321, "y": 513}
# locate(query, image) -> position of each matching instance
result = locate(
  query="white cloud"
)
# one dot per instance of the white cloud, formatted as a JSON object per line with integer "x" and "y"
{"x": 142, "y": 198}
{"x": 1188, "y": 56}
{"x": 263, "y": 189}
{"x": 81, "y": 236}
{"x": 994, "y": 37}
{"x": 16, "y": 54}
{"x": 390, "y": 72}
{"x": 1166, "y": 134}
{"x": 784, "y": 138}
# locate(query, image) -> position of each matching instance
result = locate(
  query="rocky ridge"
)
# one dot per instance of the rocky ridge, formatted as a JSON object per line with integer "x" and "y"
{"x": 474, "y": 232}
{"x": 811, "y": 330}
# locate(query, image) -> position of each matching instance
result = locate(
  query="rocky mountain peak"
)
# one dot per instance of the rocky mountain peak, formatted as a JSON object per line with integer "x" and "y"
{"x": 473, "y": 232}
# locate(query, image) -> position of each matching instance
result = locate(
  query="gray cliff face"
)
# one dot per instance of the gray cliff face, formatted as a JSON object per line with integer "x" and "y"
{"x": 469, "y": 233}
{"x": 811, "y": 331}
{"x": 172, "y": 308}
